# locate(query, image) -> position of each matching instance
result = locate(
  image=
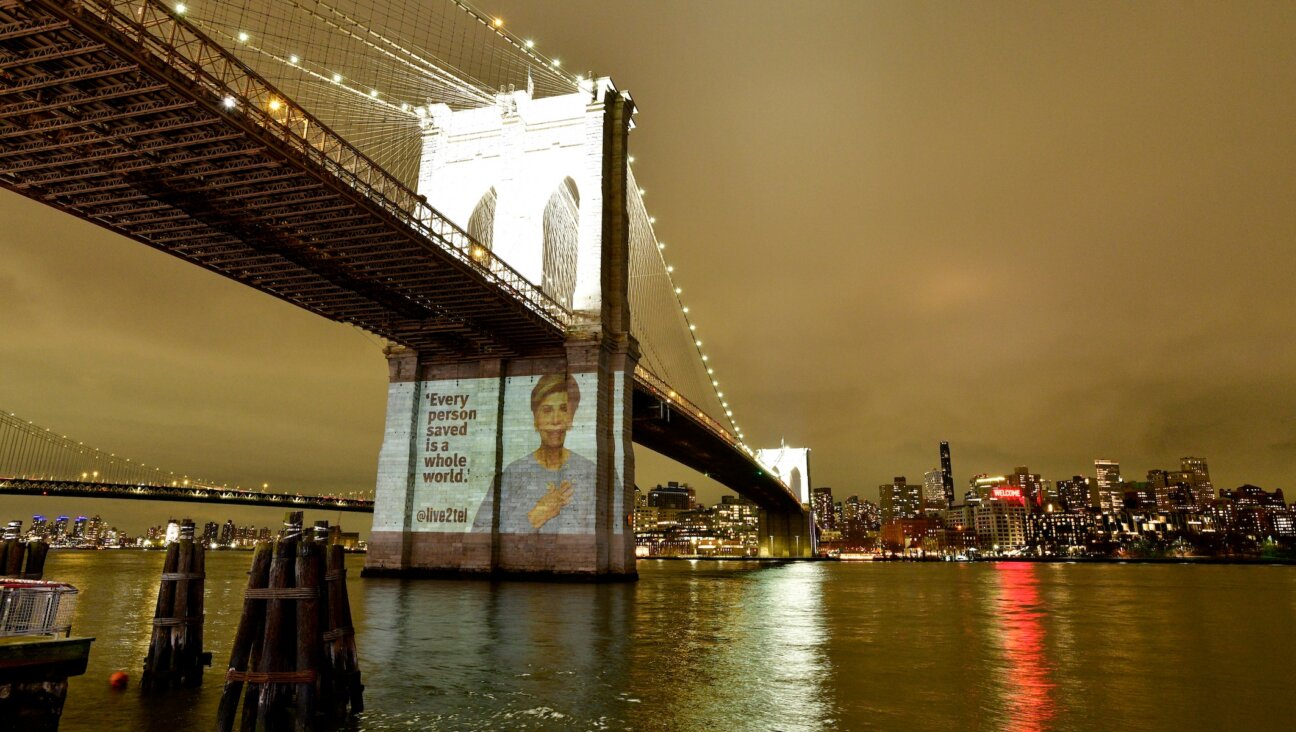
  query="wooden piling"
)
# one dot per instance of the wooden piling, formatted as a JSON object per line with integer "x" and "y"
{"x": 11, "y": 557}
{"x": 175, "y": 656}
{"x": 37, "y": 550}
{"x": 286, "y": 649}
{"x": 280, "y": 624}
{"x": 249, "y": 628}
{"x": 345, "y": 666}
{"x": 309, "y": 568}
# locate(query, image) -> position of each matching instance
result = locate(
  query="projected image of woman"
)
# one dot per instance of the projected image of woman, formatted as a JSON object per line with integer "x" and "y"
{"x": 541, "y": 492}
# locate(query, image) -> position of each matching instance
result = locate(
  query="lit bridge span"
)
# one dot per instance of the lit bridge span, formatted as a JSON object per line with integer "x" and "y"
{"x": 35, "y": 461}
{"x": 50, "y": 487}
{"x": 418, "y": 220}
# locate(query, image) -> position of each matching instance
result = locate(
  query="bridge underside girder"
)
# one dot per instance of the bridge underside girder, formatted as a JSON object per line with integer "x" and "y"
{"x": 666, "y": 429}
{"x": 95, "y": 125}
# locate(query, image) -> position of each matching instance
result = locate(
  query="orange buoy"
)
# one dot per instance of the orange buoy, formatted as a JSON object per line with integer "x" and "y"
{"x": 118, "y": 679}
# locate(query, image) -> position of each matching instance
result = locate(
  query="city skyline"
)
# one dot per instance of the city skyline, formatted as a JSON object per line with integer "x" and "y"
{"x": 1080, "y": 255}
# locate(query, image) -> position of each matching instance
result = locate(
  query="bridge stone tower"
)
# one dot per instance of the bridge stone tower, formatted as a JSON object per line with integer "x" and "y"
{"x": 521, "y": 464}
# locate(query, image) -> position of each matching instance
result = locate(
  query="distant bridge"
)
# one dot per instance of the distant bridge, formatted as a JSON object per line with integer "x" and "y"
{"x": 184, "y": 494}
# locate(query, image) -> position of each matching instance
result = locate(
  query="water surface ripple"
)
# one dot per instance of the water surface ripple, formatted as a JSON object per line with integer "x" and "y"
{"x": 743, "y": 646}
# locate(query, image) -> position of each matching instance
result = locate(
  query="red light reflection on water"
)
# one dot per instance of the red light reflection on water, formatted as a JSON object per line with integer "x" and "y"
{"x": 1027, "y": 684}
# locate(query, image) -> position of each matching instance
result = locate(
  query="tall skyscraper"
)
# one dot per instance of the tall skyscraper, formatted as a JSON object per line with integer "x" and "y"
{"x": 1111, "y": 494}
{"x": 948, "y": 473}
{"x": 824, "y": 510}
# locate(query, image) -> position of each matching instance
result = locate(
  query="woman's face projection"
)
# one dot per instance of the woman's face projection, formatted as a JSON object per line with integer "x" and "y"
{"x": 553, "y": 417}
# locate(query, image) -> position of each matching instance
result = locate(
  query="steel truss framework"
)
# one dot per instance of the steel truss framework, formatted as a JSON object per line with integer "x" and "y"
{"x": 120, "y": 113}
{"x": 117, "y": 112}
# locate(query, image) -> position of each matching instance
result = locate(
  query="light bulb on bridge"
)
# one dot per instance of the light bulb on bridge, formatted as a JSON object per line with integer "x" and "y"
{"x": 274, "y": 105}
{"x": 530, "y": 44}
{"x": 678, "y": 291}
{"x": 180, "y": 8}
{"x": 697, "y": 343}
{"x": 661, "y": 245}
{"x": 498, "y": 22}
{"x": 337, "y": 78}
{"x": 228, "y": 102}
{"x": 243, "y": 37}
{"x": 631, "y": 158}
{"x": 373, "y": 93}
{"x": 670, "y": 268}
{"x": 557, "y": 63}
{"x": 293, "y": 59}
{"x": 404, "y": 107}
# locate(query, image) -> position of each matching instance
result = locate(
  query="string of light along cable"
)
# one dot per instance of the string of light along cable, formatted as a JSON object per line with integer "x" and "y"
{"x": 370, "y": 70}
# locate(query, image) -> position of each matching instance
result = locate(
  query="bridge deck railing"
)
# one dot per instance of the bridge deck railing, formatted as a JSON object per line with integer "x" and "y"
{"x": 160, "y": 31}
{"x": 663, "y": 391}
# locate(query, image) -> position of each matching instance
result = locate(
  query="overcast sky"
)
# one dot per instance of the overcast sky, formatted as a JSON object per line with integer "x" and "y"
{"x": 1045, "y": 232}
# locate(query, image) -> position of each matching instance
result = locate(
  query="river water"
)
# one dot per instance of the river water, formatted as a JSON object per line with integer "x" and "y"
{"x": 721, "y": 646}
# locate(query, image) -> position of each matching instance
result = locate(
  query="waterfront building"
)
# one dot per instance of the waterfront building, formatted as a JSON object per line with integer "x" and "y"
{"x": 1030, "y": 485}
{"x": 1111, "y": 495}
{"x": 982, "y": 484}
{"x": 821, "y": 503}
{"x": 1000, "y": 520}
{"x": 858, "y": 519}
{"x": 913, "y": 537}
{"x": 1059, "y": 533}
{"x": 227, "y": 533}
{"x": 871, "y": 515}
{"x": 210, "y": 533}
{"x": 674, "y": 495}
{"x": 1252, "y": 512}
{"x": 900, "y": 499}
{"x": 1200, "y": 472}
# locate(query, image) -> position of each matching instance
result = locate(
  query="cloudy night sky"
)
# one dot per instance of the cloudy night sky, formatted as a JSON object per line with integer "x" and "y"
{"x": 1044, "y": 232}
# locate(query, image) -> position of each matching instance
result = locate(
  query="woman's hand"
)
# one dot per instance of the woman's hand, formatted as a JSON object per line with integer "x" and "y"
{"x": 550, "y": 504}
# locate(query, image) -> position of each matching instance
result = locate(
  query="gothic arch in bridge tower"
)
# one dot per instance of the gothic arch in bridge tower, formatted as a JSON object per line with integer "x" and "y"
{"x": 544, "y": 160}
{"x": 481, "y": 224}
{"x": 561, "y": 237}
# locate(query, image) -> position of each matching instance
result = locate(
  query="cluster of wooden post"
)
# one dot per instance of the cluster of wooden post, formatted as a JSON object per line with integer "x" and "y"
{"x": 13, "y": 549}
{"x": 175, "y": 656}
{"x": 294, "y": 650}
